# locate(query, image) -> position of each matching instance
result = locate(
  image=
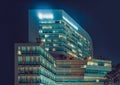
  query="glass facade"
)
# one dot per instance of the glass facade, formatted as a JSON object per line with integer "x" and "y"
{"x": 60, "y": 34}
{"x": 96, "y": 69}
{"x": 34, "y": 65}
{"x": 59, "y": 52}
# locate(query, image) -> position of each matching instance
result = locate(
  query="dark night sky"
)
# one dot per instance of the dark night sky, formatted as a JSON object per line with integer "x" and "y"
{"x": 100, "y": 18}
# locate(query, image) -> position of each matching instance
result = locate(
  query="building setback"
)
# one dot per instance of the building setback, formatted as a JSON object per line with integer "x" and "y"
{"x": 58, "y": 52}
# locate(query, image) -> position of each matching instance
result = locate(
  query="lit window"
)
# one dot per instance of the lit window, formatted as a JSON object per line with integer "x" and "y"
{"x": 45, "y": 16}
{"x": 49, "y": 40}
{"x": 73, "y": 50}
{"x": 55, "y": 45}
{"x": 107, "y": 64}
{"x": 47, "y": 27}
{"x": 62, "y": 36}
{"x": 71, "y": 45}
{"x": 40, "y": 31}
{"x": 80, "y": 54}
{"x": 80, "y": 43}
{"x": 19, "y": 52}
{"x": 43, "y": 40}
{"x": 53, "y": 31}
{"x": 70, "y": 53}
{"x": 53, "y": 49}
{"x": 97, "y": 80}
{"x": 92, "y": 63}
{"x": 46, "y": 36}
{"x": 83, "y": 66}
{"x": 47, "y": 49}
{"x": 89, "y": 58}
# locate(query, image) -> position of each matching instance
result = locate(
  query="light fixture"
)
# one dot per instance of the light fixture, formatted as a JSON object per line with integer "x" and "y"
{"x": 45, "y": 15}
{"x": 70, "y": 23}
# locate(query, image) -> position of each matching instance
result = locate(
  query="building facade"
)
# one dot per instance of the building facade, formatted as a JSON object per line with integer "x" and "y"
{"x": 61, "y": 35}
{"x": 33, "y": 66}
{"x": 96, "y": 69}
{"x": 113, "y": 77}
{"x": 58, "y": 52}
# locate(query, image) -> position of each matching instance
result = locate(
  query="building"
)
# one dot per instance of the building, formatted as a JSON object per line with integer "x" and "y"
{"x": 113, "y": 77}
{"x": 55, "y": 28}
{"x": 58, "y": 52}
{"x": 33, "y": 66}
{"x": 96, "y": 69}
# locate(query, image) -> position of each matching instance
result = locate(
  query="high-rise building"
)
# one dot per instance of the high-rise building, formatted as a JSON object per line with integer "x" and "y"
{"x": 61, "y": 35}
{"x": 58, "y": 52}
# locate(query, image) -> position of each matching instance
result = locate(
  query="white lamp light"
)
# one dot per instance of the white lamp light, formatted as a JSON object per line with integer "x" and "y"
{"x": 45, "y": 16}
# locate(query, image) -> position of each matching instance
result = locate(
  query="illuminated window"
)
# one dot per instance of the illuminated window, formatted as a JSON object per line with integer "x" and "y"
{"x": 19, "y": 52}
{"x": 47, "y": 49}
{"x": 46, "y": 27}
{"x": 46, "y": 36}
{"x": 55, "y": 44}
{"x": 40, "y": 31}
{"x": 45, "y": 16}
{"x": 47, "y": 21}
{"x": 48, "y": 40}
{"x": 53, "y": 49}
{"x": 62, "y": 36}
{"x": 80, "y": 43}
{"x": 43, "y": 40}
{"x": 89, "y": 58}
{"x": 73, "y": 50}
{"x": 80, "y": 54}
{"x": 107, "y": 64}
{"x": 92, "y": 63}
{"x": 83, "y": 66}
{"x": 71, "y": 45}
{"x": 97, "y": 80}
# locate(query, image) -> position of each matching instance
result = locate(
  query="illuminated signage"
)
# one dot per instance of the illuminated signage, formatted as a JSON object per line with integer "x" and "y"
{"x": 70, "y": 23}
{"x": 45, "y": 16}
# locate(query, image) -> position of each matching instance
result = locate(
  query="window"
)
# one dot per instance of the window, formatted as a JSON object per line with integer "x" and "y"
{"x": 32, "y": 60}
{"x": 92, "y": 63}
{"x": 47, "y": 49}
{"x": 46, "y": 27}
{"x": 107, "y": 64}
{"x": 28, "y": 60}
{"x": 23, "y": 49}
{"x": 19, "y": 60}
{"x": 53, "y": 49}
{"x": 100, "y": 63}
{"x": 46, "y": 36}
{"x": 62, "y": 36}
{"x": 19, "y": 52}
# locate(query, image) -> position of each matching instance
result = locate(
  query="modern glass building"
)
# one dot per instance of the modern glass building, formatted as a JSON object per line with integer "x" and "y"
{"x": 61, "y": 35}
{"x": 96, "y": 69}
{"x": 58, "y": 52}
{"x": 33, "y": 66}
